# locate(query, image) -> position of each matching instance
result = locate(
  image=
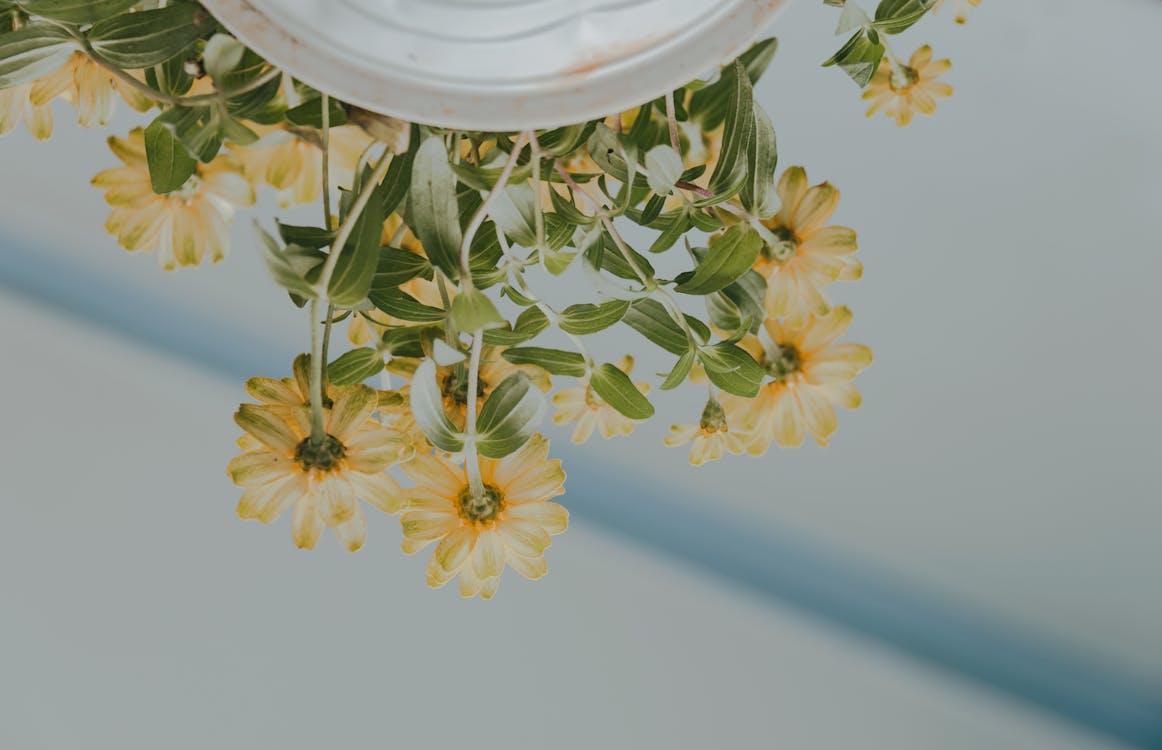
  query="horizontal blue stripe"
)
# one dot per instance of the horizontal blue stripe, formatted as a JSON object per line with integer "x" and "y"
{"x": 787, "y": 569}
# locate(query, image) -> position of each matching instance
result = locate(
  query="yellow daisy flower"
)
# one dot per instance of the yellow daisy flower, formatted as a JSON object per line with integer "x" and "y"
{"x": 293, "y": 165}
{"x": 809, "y": 254}
{"x": 908, "y": 89}
{"x": 810, "y": 375}
{"x": 960, "y": 8}
{"x": 183, "y": 226}
{"x": 16, "y": 105}
{"x": 321, "y": 479}
{"x": 510, "y": 524}
{"x": 583, "y": 406}
{"x": 711, "y": 437}
{"x": 92, "y": 89}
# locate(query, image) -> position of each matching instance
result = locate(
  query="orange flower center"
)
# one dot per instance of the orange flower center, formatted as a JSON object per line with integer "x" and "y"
{"x": 455, "y": 386}
{"x": 784, "y": 362}
{"x": 902, "y": 78}
{"x": 324, "y": 455}
{"x": 785, "y": 247}
{"x": 480, "y": 508}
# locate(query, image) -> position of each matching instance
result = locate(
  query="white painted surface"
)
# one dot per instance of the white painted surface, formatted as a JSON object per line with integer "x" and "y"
{"x": 138, "y": 612}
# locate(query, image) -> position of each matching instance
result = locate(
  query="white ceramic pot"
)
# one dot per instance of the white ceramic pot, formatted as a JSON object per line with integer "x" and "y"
{"x": 496, "y": 64}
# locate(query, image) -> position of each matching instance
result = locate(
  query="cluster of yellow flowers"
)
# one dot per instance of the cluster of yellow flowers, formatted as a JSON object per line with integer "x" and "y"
{"x": 322, "y": 449}
{"x": 368, "y": 432}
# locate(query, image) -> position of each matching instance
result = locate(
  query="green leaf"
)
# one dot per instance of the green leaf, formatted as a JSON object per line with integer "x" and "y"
{"x": 398, "y": 266}
{"x": 604, "y": 149}
{"x": 312, "y": 237}
{"x": 665, "y": 168}
{"x": 287, "y": 273}
{"x": 568, "y": 210}
{"x": 32, "y": 51}
{"x": 509, "y": 416}
{"x": 650, "y": 318}
{"x": 472, "y": 310}
{"x": 616, "y": 389}
{"x": 731, "y": 255}
{"x": 434, "y": 210}
{"x": 586, "y": 318}
{"x": 732, "y": 369}
{"x": 894, "y": 16}
{"x": 427, "y": 403}
{"x": 355, "y": 366}
{"x": 748, "y": 294}
{"x": 406, "y": 307}
{"x": 222, "y": 56}
{"x": 150, "y": 37}
{"x": 397, "y": 181}
{"x": 738, "y": 130}
{"x": 513, "y": 211}
{"x": 758, "y": 57}
{"x": 677, "y": 226}
{"x": 859, "y": 58}
{"x": 354, "y": 270}
{"x": 77, "y": 11}
{"x": 528, "y": 324}
{"x": 555, "y": 361}
{"x": 170, "y": 164}
{"x": 310, "y": 113}
{"x": 680, "y": 372}
{"x": 758, "y": 193}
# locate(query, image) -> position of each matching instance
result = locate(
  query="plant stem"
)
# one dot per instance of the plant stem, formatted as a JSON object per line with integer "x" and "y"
{"x": 539, "y": 216}
{"x": 672, "y": 119}
{"x": 471, "y": 459}
{"x": 326, "y": 102}
{"x": 482, "y": 212}
{"x": 318, "y": 431}
{"x": 348, "y": 225}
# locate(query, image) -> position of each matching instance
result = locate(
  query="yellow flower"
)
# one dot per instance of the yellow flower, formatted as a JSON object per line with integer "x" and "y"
{"x": 960, "y": 8}
{"x": 809, "y": 254}
{"x": 183, "y": 226}
{"x": 583, "y": 406}
{"x": 322, "y": 479}
{"x": 711, "y": 437}
{"x": 510, "y": 524}
{"x": 15, "y": 105}
{"x": 91, "y": 88}
{"x": 909, "y": 89}
{"x": 293, "y": 165}
{"x": 810, "y": 375}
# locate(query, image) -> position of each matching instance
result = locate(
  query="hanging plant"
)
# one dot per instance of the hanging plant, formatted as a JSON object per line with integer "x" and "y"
{"x": 429, "y": 250}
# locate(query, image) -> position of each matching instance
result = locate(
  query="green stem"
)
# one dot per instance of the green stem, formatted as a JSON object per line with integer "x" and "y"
{"x": 348, "y": 225}
{"x": 539, "y": 216}
{"x": 326, "y": 102}
{"x": 318, "y": 431}
{"x": 482, "y": 212}
{"x": 471, "y": 458}
{"x": 672, "y": 120}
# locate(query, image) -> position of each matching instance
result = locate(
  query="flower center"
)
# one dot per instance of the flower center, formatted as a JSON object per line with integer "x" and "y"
{"x": 455, "y": 386}
{"x": 189, "y": 189}
{"x": 481, "y": 508}
{"x": 325, "y": 455}
{"x": 902, "y": 78}
{"x": 786, "y": 245}
{"x": 713, "y": 417}
{"x": 784, "y": 363}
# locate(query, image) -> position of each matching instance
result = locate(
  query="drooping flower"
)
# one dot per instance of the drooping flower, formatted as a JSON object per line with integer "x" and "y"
{"x": 960, "y": 8}
{"x": 16, "y": 106}
{"x": 184, "y": 226}
{"x": 903, "y": 90}
{"x": 711, "y": 437}
{"x": 92, "y": 89}
{"x": 510, "y": 523}
{"x": 322, "y": 479}
{"x": 293, "y": 165}
{"x": 809, "y": 374}
{"x": 583, "y": 406}
{"x": 809, "y": 254}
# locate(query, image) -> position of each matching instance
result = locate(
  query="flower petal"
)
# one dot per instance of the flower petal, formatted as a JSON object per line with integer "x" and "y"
{"x": 265, "y": 425}
{"x": 306, "y": 526}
